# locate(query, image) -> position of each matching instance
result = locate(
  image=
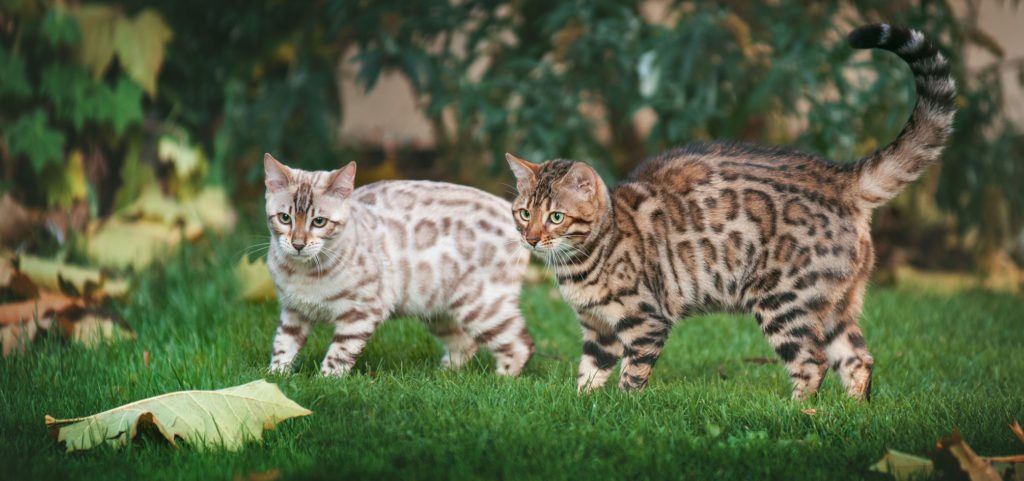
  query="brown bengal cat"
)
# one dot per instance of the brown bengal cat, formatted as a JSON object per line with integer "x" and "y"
{"x": 731, "y": 226}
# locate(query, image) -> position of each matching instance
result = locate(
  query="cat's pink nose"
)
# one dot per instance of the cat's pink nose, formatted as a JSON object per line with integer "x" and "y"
{"x": 532, "y": 240}
{"x": 298, "y": 245}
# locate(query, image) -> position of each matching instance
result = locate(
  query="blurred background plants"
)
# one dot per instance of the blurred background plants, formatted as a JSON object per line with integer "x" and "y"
{"x": 106, "y": 105}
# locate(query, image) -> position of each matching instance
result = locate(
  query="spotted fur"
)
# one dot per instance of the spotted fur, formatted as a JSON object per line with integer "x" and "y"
{"x": 443, "y": 252}
{"x": 779, "y": 233}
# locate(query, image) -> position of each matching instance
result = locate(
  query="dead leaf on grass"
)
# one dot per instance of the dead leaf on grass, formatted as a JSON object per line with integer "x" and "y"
{"x": 903, "y": 466}
{"x": 977, "y": 468}
{"x": 1015, "y": 427}
{"x": 206, "y": 419}
{"x": 254, "y": 280}
{"x": 75, "y": 281}
{"x": 760, "y": 361}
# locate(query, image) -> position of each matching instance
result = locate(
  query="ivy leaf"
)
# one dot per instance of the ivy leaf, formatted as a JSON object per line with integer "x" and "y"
{"x": 60, "y": 28}
{"x": 32, "y": 136}
{"x": 13, "y": 80}
{"x": 96, "y": 24}
{"x": 71, "y": 90}
{"x": 207, "y": 419}
{"x": 125, "y": 105}
{"x": 140, "y": 47}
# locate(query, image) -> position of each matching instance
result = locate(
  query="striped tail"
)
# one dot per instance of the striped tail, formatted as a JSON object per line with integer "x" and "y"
{"x": 883, "y": 174}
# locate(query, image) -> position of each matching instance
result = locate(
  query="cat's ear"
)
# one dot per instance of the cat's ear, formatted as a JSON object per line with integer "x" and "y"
{"x": 581, "y": 180}
{"x": 342, "y": 181}
{"x": 277, "y": 175}
{"x": 525, "y": 172}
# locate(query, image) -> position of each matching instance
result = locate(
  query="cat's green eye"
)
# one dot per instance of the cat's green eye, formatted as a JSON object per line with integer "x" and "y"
{"x": 524, "y": 214}
{"x": 319, "y": 222}
{"x": 557, "y": 217}
{"x": 285, "y": 218}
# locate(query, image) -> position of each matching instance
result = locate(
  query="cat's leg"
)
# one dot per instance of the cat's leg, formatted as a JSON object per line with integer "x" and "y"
{"x": 458, "y": 346}
{"x": 643, "y": 337}
{"x": 497, "y": 324}
{"x": 794, "y": 328}
{"x": 352, "y": 329}
{"x": 291, "y": 335}
{"x": 845, "y": 347}
{"x": 601, "y": 351}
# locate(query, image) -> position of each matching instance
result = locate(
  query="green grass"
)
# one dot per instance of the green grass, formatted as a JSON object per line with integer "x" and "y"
{"x": 942, "y": 363}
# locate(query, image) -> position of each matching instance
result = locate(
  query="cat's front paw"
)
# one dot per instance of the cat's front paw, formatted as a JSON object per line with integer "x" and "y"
{"x": 339, "y": 371}
{"x": 279, "y": 368}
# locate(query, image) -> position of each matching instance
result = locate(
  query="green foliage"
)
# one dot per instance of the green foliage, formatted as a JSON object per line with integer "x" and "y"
{"x": 13, "y": 80}
{"x": 31, "y": 135}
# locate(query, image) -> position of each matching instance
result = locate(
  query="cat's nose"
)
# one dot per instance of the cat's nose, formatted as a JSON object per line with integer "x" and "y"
{"x": 298, "y": 245}
{"x": 532, "y": 240}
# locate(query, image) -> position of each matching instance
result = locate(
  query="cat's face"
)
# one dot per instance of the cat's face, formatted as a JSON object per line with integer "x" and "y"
{"x": 559, "y": 204}
{"x": 305, "y": 210}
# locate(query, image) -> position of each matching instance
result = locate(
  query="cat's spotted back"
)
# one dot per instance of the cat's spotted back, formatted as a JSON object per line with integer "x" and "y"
{"x": 445, "y": 253}
{"x": 731, "y": 226}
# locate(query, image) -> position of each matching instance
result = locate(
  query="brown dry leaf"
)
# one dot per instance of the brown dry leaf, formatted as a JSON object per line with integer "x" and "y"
{"x": 904, "y": 466}
{"x": 760, "y": 361}
{"x": 44, "y": 306}
{"x": 977, "y": 468}
{"x": 1017, "y": 430}
{"x": 254, "y": 280}
{"x": 16, "y": 282}
{"x": 76, "y": 281}
{"x": 93, "y": 327}
{"x": 15, "y": 222}
{"x": 809, "y": 412}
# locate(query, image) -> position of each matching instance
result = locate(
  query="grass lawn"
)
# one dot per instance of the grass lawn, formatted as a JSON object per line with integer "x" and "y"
{"x": 942, "y": 363}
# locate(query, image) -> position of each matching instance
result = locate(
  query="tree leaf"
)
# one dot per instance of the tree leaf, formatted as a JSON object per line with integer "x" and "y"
{"x": 903, "y": 466}
{"x": 13, "y": 80}
{"x": 51, "y": 274}
{"x": 97, "y": 25}
{"x": 71, "y": 90}
{"x": 207, "y": 419}
{"x": 976, "y": 467}
{"x": 126, "y": 105}
{"x": 32, "y": 136}
{"x": 60, "y": 28}
{"x": 139, "y": 44}
{"x": 254, "y": 280}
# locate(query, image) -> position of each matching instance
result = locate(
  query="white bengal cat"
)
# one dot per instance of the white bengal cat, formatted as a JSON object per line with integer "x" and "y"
{"x": 446, "y": 253}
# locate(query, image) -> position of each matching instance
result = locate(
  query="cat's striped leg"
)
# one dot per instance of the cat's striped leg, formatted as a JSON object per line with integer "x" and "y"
{"x": 497, "y": 324}
{"x": 352, "y": 329}
{"x": 846, "y": 350}
{"x": 795, "y": 331}
{"x": 601, "y": 351}
{"x": 643, "y": 338}
{"x": 458, "y": 346}
{"x": 291, "y": 335}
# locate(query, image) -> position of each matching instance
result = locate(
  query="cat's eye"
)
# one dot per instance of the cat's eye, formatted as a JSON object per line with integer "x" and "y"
{"x": 285, "y": 218}
{"x": 557, "y": 217}
{"x": 319, "y": 222}
{"x": 524, "y": 214}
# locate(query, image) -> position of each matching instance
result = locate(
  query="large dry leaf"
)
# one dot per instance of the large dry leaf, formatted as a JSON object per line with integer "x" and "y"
{"x": 73, "y": 280}
{"x": 976, "y": 467}
{"x": 254, "y": 280}
{"x": 140, "y": 47}
{"x": 904, "y": 466}
{"x": 120, "y": 243}
{"x": 207, "y": 419}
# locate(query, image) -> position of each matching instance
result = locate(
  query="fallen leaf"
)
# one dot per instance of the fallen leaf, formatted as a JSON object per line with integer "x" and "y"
{"x": 17, "y": 335}
{"x": 903, "y": 466}
{"x": 254, "y": 280}
{"x": 93, "y": 327}
{"x": 1017, "y": 430}
{"x": 72, "y": 280}
{"x": 977, "y": 468}
{"x": 206, "y": 419}
{"x": 809, "y": 412}
{"x": 120, "y": 243}
{"x": 45, "y": 305}
{"x": 14, "y": 224}
{"x": 760, "y": 361}
{"x": 267, "y": 476}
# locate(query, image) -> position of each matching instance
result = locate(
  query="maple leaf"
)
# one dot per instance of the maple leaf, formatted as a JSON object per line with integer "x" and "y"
{"x": 206, "y": 419}
{"x": 139, "y": 44}
{"x": 32, "y": 136}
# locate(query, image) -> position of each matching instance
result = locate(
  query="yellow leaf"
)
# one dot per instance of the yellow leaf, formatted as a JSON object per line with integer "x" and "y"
{"x": 207, "y": 419}
{"x": 903, "y": 466}
{"x": 977, "y": 468}
{"x": 51, "y": 274}
{"x": 94, "y": 328}
{"x": 97, "y": 24}
{"x": 254, "y": 280}
{"x": 139, "y": 43}
{"x": 118, "y": 243}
